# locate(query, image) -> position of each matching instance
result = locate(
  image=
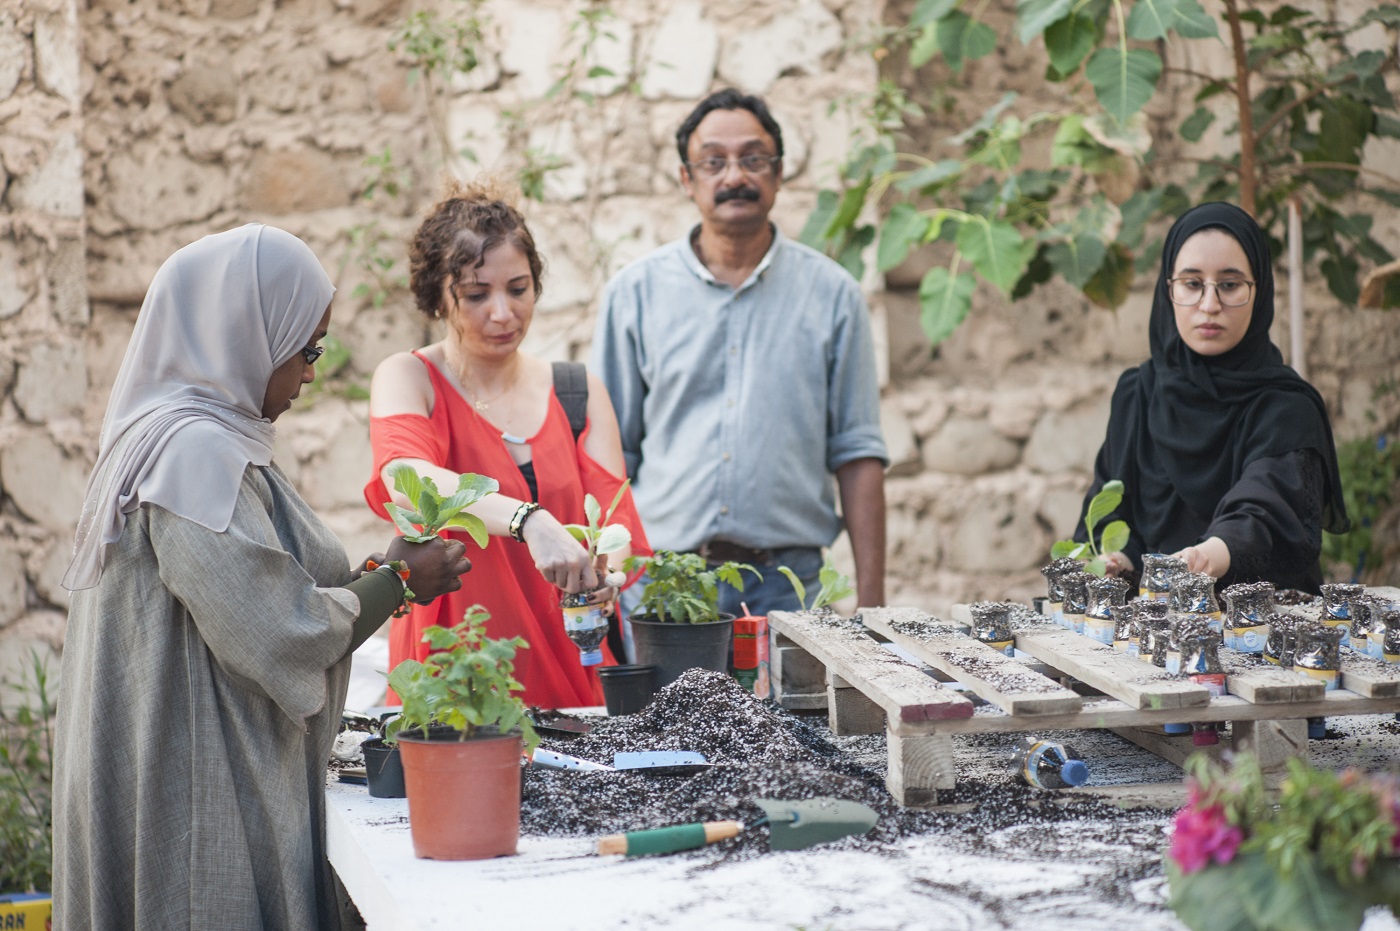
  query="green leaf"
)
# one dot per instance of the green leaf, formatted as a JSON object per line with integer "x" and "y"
{"x": 1103, "y": 504}
{"x": 944, "y": 302}
{"x": 598, "y": 71}
{"x": 617, "y": 498}
{"x": 926, "y": 11}
{"x": 407, "y": 481}
{"x": 473, "y": 525}
{"x": 997, "y": 250}
{"x": 925, "y": 46}
{"x": 845, "y": 216}
{"x": 797, "y": 585}
{"x": 1150, "y": 19}
{"x": 903, "y": 228}
{"x": 1035, "y": 16}
{"x": 1195, "y": 125}
{"x": 406, "y": 526}
{"x": 1112, "y": 283}
{"x": 592, "y": 510}
{"x": 1123, "y": 80}
{"x": 1389, "y": 15}
{"x": 1069, "y": 548}
{"x": 612, "y": 538}
{"x": 1070, "y": 41}
{"x": 929, "y": 175}
{"x": 1114, "y": 538}
{"x": 850, "y": 256}
{"x": 1136, "y": 211}
{"x": 1078, "y": 259}
{"x": 964, "y": 39}
{"x": 814, "y": 230}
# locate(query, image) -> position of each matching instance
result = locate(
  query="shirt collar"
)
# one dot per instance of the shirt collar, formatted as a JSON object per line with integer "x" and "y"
{"x": 697, "y": 267}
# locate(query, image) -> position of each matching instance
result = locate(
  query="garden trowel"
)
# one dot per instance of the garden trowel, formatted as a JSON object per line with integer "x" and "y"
{"x": 653, "y": 762}
{"x": 791, "y": 825}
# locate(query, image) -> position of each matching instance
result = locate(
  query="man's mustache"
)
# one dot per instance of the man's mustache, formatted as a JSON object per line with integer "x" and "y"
{"x": 733, "y": 193}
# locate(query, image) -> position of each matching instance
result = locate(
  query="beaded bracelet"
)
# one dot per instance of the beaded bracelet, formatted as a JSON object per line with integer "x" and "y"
{"x": 517, "y": 522}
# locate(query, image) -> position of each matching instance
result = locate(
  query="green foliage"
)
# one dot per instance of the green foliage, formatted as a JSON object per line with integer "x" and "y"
{"x": 432, "y": 512}
{"x": 465, "y": 683}
{"x": 1015, "y": 224}
{"x": 1370, "y": 472}
{"x": 441, "y": 45}
{"x": 1113, "y": 538}
{"x": 834, "y": 586}
{"x": 682, "y": 589}
{"x": 26, "y": 784}
{"x": 599, "y": 535}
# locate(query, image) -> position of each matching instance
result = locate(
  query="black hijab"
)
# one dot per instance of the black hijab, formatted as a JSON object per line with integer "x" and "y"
{"x": 1186, "y": 425}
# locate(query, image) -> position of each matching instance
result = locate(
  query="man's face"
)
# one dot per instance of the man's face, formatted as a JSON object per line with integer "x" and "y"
{"x": 733, "y": 199}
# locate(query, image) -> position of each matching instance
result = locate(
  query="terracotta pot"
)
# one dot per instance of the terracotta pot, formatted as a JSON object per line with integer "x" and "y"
{"x": 463, "y": 795}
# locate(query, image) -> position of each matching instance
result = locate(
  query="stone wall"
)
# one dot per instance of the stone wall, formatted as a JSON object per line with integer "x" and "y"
{"x": 199, "y": 115}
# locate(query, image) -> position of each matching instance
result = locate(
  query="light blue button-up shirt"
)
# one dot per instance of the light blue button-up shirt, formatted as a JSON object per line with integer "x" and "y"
{"x": 738, "y": 404}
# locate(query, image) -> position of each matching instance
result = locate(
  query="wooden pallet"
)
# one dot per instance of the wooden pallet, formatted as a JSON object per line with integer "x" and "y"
{"x": 848, "y": 667}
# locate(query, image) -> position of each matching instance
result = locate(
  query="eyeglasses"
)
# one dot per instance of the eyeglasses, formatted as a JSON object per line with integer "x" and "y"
{"x": 748, "y": 164}
{"x": 312, "y": 353}
{"x": 1232, "y": 292}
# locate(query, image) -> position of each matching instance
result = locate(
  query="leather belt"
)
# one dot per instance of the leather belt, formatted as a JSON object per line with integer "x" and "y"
{"x": 725, "y": 551}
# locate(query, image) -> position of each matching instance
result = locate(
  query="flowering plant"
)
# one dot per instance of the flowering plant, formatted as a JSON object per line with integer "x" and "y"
{"x": 1313, "y": 855}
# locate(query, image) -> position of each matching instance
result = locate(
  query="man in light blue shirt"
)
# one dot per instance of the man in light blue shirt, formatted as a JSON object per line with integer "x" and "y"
{"x": 742, "y": 369}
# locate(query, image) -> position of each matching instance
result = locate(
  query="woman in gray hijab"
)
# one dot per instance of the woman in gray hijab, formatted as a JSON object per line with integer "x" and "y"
{"x": 213, "y": 616}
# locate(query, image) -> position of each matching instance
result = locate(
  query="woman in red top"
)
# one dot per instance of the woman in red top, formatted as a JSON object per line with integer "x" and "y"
{"x": 474, "y": 402}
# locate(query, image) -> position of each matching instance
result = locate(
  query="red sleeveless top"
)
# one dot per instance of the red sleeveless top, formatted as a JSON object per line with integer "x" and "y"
{"x": 503, "y": 578}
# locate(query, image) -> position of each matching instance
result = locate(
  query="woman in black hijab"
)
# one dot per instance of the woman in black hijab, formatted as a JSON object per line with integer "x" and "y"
{"x": 1225, "y": 453}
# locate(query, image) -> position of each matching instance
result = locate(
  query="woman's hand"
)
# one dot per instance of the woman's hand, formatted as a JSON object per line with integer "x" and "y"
{"x": 1116, "y": 564}
{"x": 1210, "y": 556}
{"x": 434, "y": 568}
{"x": 560, "y": 559}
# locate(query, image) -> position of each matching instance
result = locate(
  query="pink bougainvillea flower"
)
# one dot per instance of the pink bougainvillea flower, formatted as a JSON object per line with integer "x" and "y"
{"x": 1201, "y": 835}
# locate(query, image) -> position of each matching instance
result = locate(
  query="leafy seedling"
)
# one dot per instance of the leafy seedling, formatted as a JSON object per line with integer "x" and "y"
{"x": 682, "y": 589}
{"x": 600, "y": 536}
{"x": 1113, "y": 538}
{"x": 432, "y": 512}
{"x": 834, "y": 587}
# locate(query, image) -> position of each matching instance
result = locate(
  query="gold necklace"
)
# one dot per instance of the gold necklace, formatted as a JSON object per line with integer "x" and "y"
{"x": 479, "y": 403}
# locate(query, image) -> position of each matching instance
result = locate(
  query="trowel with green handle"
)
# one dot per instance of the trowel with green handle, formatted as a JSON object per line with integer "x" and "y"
{"x": 792, "y": 826}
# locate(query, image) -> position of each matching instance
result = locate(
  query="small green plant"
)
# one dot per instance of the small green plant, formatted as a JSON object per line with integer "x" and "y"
{"x": 600, "y": 536}
{"x": 432, "y": 512}
{"x": 26, "y": 784}
{"x": 437, "y": 44}
{"x": 834, "y": 587}
{"x": 1370, "y": 472}
{"x": 465, "y": 683}
{"x": 681, "y": 589}
{"x": 1113, "y": 538}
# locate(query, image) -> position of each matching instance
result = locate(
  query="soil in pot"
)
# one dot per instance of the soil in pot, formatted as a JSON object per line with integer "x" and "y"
{"x": 674, "y": 648}
{"x": 463, "y": 795}
{"x": 627, "y": 689}
{"x": 383, "y": 768}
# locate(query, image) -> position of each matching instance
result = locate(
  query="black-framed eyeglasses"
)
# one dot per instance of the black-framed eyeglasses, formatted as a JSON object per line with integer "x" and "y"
{"x": 1232, "y": 292}
{"x": 312, "y": 353}
{"x": 753, "y": 164}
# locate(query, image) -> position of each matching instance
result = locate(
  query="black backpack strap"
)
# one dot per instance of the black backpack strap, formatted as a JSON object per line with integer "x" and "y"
{"x": 571, "y": 388}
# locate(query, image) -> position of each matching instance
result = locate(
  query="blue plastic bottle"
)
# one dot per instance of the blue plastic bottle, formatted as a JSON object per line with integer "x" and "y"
{"x": 1049, "y": 765}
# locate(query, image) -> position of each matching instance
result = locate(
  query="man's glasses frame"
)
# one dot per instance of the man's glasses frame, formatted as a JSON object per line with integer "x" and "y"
{"x": 751, "y": 164}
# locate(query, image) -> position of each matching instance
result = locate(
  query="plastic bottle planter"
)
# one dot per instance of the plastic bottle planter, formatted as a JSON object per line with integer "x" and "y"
{"x": 1278, "y": 646}
{"x": 1054, "y": 584}
{"x": 1045, "y": 764}
{"x": 587, "y": 627}
{"x": 991, "y": 623}
{"x": 1158, "y": 570}
{"x": 1317, "y": 653}
{"x": 1125, "y": 632}
{"x": 1145, "y": 610}
{"x": 1200, "y": 659}
{"x": 1361, "y": 623}
{"x": 1376, "y": 640}
{"x": 1336, "y": 606}
{"x": 1076, "y": 587}
{"x": 1194, "y": 593}
{"x": 1247, "y": 609}
{"x": 1104, "y": 594}
{"x": 1390, "y": 637}
{"x": 1156, "y": 639}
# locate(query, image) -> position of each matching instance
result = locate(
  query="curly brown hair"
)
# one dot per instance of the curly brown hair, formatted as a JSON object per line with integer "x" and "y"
{"x": 469, "y": 221}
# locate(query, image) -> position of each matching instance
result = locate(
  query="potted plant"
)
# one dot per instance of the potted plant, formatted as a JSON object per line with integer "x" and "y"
{"x": 586, "y": 624}
{"x": 1113, "y": 538}
{"x": 383, "y": 763}
{"x": 461, "y": 735}
{"x": 834, "y": 586}
{"x": 1314, "y": 855}
{"x": 678, "y": 625}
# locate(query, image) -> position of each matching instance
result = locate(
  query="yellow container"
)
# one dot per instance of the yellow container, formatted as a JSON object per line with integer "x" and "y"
{"x": 28, "y": 910}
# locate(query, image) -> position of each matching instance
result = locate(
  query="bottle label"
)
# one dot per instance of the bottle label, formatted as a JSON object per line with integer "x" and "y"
{"x": 1074, "y": 622}
{"x": 587, "y": 627}
{"x": 1249, "y": 639}
{"x": 1330, "y": 678}
{"x": 1054, "y": 610}
{"x": 1173, "y": 661}
{"x": 1213, "y": 681}
{"x": 1002, "y": 646}
{"x": 1126, "y": 647}
{"x": 1099, "y": 629}
{"x": 1342, "y": 623}
{"x": 1390, "y": 657}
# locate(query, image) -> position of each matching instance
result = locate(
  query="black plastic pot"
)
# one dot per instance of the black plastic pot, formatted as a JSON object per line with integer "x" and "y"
{"x": 383, "y": 768}
{"x": 627, "y": 689}
{"x": 674, "y": 648}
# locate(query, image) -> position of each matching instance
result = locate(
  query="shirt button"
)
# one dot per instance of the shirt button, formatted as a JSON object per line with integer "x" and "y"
{"x": 725, "y": 457}
{"x": 729, "y": 403}
{"x": 733, "y": 350}
{"x": 724, "y": 509}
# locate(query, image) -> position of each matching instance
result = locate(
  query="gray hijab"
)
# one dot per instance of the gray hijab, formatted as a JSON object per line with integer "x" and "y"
{"x": 185, "y": 416}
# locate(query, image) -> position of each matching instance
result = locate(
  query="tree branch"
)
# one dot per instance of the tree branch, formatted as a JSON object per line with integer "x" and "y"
{"x": 1202, "y": 76}
{"x": 1245, "y": 104}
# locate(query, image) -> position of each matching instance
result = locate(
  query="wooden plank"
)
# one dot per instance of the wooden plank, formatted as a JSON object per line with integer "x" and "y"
{"x": 850, "y": 712}
{"x": 1174, "y": 748}
{"x": 1260, "y": 682}
{"x": 996, "y": 677}
{"x": 1273, "y": 744}
{"x": 919, "y": 767}
{"x": 1126, "y": 678}
{"x": 1366, "y": 675}
{"x": 799, "y": 679}
{"x": 907, "y": 695}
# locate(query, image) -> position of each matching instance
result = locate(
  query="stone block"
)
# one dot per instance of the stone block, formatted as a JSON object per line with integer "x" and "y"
{"x": 16, "y": 289}
{"x": 558, "y": 142}
{"x": 148, "y": 189}
{"x": 998, "y": 533}
{"x": 791, "y": 41}
{"x": 1064, "y": 440}
{"x": 233, "y": 9}
{"x": 38, "y": 634}
{"x": 45, "y": 483}
{"x": 14, "y": 586}
{"x": 47, "y": 567}
{"x": 683, "y": 54}
{"x": 533, "y": 36}
{"x": 1059, "y": 507}
{"x": 966, "y": 446}
{"x": 340, "y": 470}
{"x": 56, "y": 187}
{"x": 205, "y": 93}
{"x": 56, "y": 54}
{"x": 52, "y": 382}
{"x": 1013, "y": 411}
{"x": 106, "y": 341}
{"x": 289, "y": 84}
{"x": 295, "y": 181}
{"x": 67, "y": 274}
{"x": 612, "y": 50}
{"x": 378, "y": 332}
{"x": 475, "y": 128}
{"x": 899, "y": 439}
{"x": 14, "y": 55}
